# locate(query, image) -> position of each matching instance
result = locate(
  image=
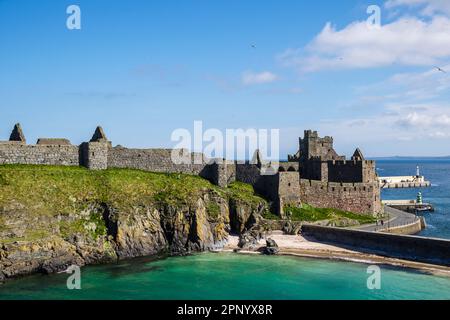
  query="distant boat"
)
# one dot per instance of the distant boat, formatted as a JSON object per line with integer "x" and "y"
{"x": 424, "y": 208}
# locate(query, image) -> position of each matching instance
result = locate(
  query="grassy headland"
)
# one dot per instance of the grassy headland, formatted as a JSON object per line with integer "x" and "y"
{"x": 35, "y": 194}
{"x": 40, "y": 192}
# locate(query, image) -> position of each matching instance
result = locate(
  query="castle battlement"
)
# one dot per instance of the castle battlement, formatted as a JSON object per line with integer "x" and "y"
{"x": 316, "y": 175}
{"x": 349, "y": 185}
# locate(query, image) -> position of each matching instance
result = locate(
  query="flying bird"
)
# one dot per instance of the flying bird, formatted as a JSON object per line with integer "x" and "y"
{"x": 254, "y": 46}
{"x": 440, "y": 69}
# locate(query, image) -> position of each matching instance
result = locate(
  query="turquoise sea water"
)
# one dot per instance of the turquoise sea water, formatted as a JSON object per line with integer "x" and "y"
{"x": 436, "y": 171}
{"x": 230, "y": 276}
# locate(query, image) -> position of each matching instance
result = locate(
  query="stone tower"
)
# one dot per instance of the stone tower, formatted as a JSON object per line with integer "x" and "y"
{"x": 312, "y": 146}
{"x": 94, "y": 154}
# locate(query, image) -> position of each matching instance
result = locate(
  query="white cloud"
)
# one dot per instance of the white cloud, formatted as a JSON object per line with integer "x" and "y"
{"x": 429, "y": 7}
{"x": 396, "y": 129}
{"x": 439, "y": 135}
{"x": 251, "y": 78}
{"x": 425, "y": 120}
{"x": 408, "y": 87}
{"x": 405, "y": 113}
{"x": 406, "y": 41}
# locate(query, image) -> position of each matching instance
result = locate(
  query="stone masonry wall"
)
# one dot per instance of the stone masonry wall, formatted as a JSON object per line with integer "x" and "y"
{"x": 94, "y": 155}
{"x": 356, "y": 197}
{"x": 421, "y": 249}
{"x": 351, "y": 171}
{"x": 289, "y": 166}
{"x": 289, "y": 188}
{"x": 14, "y": 153}
{"x": 319, "y": 186}
{"x": 314, "y": 170}
{"x": 345, "y": 171}
{"x": 248, "y": 173}
{"x": 155, "y": 160}
{"x": 369, "y": 171}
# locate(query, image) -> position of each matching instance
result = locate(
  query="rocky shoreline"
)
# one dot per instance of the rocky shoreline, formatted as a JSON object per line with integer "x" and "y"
{"x": 297, "y": 245}
{"x": 53, "y": 255}
{"x": 146, "y": 231}
{"x": 53, "y": 217}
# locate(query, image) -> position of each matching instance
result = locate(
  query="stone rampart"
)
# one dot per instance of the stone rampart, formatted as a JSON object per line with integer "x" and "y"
{"x": 354, "y": 197}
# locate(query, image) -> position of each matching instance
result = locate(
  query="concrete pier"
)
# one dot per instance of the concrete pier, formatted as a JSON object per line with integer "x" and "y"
{"x": 411, "y": 206}
{"x": 396, "y": 221}
{"x": 404, "y": 182}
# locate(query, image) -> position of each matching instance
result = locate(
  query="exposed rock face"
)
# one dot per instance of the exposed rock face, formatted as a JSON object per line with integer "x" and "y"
{"x": 243, "y": 216}
{"x": 101, "y": 233}
{"x": 42, "y": 256}
{"x": 291, "y": 228}
{"x": 271, "y": 247}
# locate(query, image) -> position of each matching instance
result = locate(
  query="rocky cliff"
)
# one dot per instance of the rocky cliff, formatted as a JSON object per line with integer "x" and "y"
{"x": 53, "y": 217}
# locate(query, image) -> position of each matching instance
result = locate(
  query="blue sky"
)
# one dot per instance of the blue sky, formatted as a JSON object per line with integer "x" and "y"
{"x": 142, "y": 69}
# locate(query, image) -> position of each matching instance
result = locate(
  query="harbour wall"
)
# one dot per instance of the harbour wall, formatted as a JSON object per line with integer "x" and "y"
{"x": 421, "y": 249}
{"x": 411, "y": 228}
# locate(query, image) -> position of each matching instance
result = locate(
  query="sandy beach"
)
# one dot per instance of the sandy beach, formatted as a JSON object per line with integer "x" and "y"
{"x": 296, "y": 245}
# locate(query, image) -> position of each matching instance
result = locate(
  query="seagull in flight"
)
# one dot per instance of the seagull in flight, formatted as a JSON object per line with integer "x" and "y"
{"x": 440, "y": 69}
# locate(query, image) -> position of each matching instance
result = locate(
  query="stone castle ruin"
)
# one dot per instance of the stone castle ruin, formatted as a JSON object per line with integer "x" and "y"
{"x": 316, "y": 174}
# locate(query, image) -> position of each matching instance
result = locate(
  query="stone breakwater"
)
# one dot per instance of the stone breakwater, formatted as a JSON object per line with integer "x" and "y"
{"x": 414, "y": 248}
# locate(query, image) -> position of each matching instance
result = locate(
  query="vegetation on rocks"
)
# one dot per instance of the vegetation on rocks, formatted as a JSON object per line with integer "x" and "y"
{"x": 54, "y": 216}
{"x": 308, "y": 213}
{"x": 46, "y": 191}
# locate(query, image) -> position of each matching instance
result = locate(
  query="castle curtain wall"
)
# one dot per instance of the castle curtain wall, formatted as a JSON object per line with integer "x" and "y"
{"x": 155, "y": 160}
{"x": 345, "y": 171}
{"x": 351, "y": 171}
{"x": 354, "y": 197}
{"x": 328, "y": 181}
{"x": 14, "y": 153}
